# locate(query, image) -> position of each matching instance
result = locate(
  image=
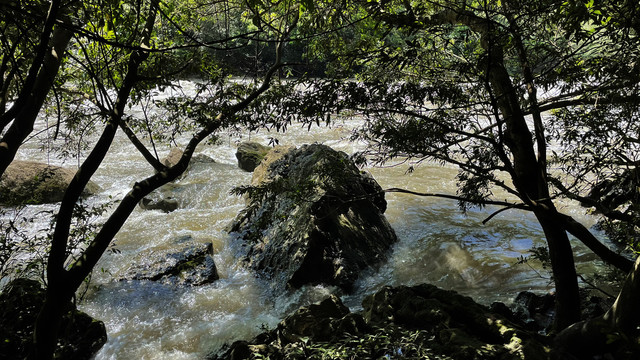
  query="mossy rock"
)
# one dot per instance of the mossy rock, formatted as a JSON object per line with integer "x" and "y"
{"x": 250, "y": 154}
{"x": 445, "y": 325}
{"x": 20, "y": 303}
{"x": 27, "y": 182}
{"x": 462, "y": 328}
{"x": 312, "y": 217}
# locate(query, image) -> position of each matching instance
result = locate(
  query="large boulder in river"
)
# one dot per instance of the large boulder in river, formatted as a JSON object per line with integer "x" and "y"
{"x": 20, "y": 302}
{"x": 250, "y": 154}
{"x": 313, "y": 218}
{"x": 27, "y": 182}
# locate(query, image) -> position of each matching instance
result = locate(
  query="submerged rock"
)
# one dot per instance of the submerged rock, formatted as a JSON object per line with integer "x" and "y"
{"x": 313, "y": 218}
{"x": 163, "y": 199}
{"x": 27, "y": 182}
{"x": 250, "y": 154}
{"x": 419, "y": 322}
{"x": 20, "y": 303}
{"x": 168, "y": 197}
{"x": 164, "y": 204}
{"x": 184, "y": 263}
{"x": 175, "y": 154}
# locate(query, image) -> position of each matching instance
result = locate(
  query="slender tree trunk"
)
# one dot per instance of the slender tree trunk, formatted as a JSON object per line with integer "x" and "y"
{"x": 563, "y": 269}
{"x": 49, "y": 321}
{"x": 24, "y": 120}
{"x": 529, "y": 177}
{"x": 61, "y": 285}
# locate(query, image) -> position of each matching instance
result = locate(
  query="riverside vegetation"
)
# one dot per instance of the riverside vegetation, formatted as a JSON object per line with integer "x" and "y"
{"x": 535, "y": 100}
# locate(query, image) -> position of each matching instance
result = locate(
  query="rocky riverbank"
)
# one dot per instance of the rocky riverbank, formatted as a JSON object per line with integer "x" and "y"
{"x": 418, "y": 322}
{"x": 20, "y": 302}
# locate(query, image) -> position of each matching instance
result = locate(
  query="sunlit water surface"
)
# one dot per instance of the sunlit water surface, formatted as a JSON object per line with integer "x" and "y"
{"x": 437, "y": 244}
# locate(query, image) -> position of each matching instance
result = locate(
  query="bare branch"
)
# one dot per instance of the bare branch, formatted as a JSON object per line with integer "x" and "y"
{"x": 460, "y": 198}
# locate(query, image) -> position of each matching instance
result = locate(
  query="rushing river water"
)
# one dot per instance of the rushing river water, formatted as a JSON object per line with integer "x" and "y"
{"x": 437, "y": 244}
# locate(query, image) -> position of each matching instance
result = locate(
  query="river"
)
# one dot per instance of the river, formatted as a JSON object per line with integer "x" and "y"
{"x": 437, "y": 244}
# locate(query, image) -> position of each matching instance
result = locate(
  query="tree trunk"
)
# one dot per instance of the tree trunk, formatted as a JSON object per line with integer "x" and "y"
{"x": 61, "y": 285}
{"x": 615, "y": 334}
{"x": 49, "y": 320}
{"x": 563, "y": 269}
{"x": 529, "y": 177}
{"x": 24, "y": 120}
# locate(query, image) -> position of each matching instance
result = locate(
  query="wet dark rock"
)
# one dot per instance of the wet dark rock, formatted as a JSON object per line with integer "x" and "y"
{"x": 416, "y": 322}
{"x": 537, "y": 311}
{"x": 328, "y": 320}
{"x": 26, "y": 182}
{"x": 184, "y": 263}
{"x": 427, "y": 307}
{"x": 250, "y": 154}
{"x": 163, "y": 204}
{"x": 322, "y": 322}
{"x": 168, "y": 197}
{"x": 163, "y": 199}
{"x": 313, "y": 218}
{"x": 20, "y": 303}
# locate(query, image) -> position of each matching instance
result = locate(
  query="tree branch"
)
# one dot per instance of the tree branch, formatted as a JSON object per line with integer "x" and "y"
{"x": 460, "y": 198}
{"x": 586, "y": 237}
{"x": 151, "y": 159}
{"x": 587, "y": 201}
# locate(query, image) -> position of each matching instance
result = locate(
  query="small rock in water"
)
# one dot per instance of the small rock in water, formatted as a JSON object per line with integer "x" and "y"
{"x": 163, "y": 199}
{"x": 184, "y": 263}
{"x": 166, "y": 205}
